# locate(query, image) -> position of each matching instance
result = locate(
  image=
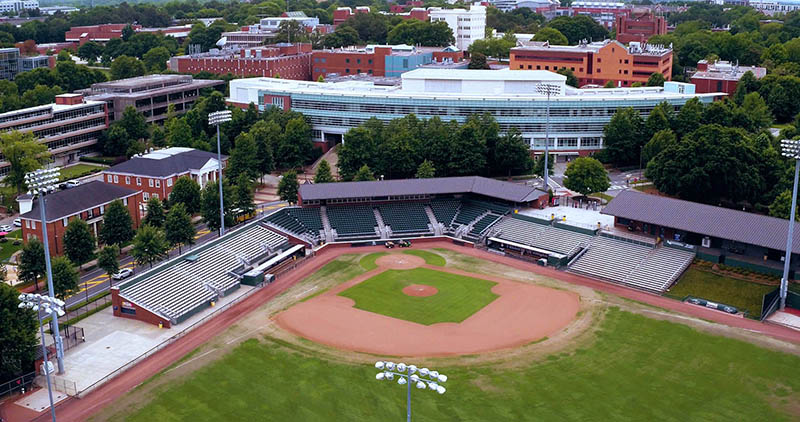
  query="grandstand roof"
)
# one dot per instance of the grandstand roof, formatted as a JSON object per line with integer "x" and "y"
{"x": 81, "y": 198}
{"x": 722, "y": 223}
{"x": 165, "y": 162}
{"x": 435, "y": 186}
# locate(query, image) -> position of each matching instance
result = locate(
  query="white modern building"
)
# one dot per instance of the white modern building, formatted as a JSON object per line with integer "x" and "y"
{"x": 18, "y": 5}
{"x": 771, "y": 7}
{"x": 467, "y": 25}
{"x": 509, "y": 5}
{"x": 273, "y": 23}
{"x": 577, "y": 116}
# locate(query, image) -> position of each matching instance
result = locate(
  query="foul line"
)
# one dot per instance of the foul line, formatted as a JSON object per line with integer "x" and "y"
{"x": 191, "y": 360}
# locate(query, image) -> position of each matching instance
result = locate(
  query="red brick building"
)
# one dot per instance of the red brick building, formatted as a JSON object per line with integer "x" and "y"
{"x": 639, "y": 26}
{"x": 722, "y": 76}
{"x": 379, "y": 60}
{"x": 155, "y": 173}
{"x": 97, "y": 33}
{"x": 290, "y": 61}
{"x": 87, "y": 201}
{"x": 342, "y": 14}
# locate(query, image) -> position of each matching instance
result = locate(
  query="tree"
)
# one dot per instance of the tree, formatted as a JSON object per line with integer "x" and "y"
{"x": 31, "y": 262}
{"x": 187, "y": 192}
{"x": 149, "y": 245}
{"x": 656, "y": 79}
{"x": 323, "y": 174}
{"x": 134, "y": 123}
{"x": 364, "y": 174}
{"x": 116, "y": 141}
{"x": 512, "y": 153}
{"x": 125, "y": 67}
{"x": 65, "y": 277}
{"x": 551, "y": 35}
{"x": 24, "y": 155}
{"x": 156, "y": 59}
{"x": 416, "y": 32}
{"x": 478, "y": 61}
{"x": 179, "y": 133}
{"x": 426, "y": 170}
{"x": 107, "y": 261}
{"x": 17, "y": 334}
{"x": 288, "y": 186}
{"x": 586, "y": 175}
{"x": 178, "y": 228}
{"x": 295, "y": 146}
{"x": 623, "y": 137}
{"x": 265, "y": 135}
{"x": 243, "y": 195}
{"x": 244, "y": 158}
{"x": 688, "y": 118}
{"x": 578, "y": 28}
{"x": 343, "y": 36}
{"x": 571, "y": 79}
{"x": 659, "y": 142}
{"x": 754, "y": 113}
{"x": 659, "y": 119}
{"x": 209, "y": 205}
{"x": 538, "y": 165}
{"x": 63, "y": 56}
{"x": 79, "y": 242}
{"x": 90, "y": 51}
{"x": 117, "y": 224}
{"x": 609, "y": 84}
{"x": 155, "y": 213}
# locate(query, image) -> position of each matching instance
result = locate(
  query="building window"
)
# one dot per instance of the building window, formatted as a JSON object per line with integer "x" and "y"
{"x": 138, "y": 181}
{"x": 405, "y": 63}
{"x": 127, "y": 180}
{"x": 598, "y": 60}
{"x": 33, "y": 224}
{"x": 103, "y": 208}
{"x": 626, "y": 61}
{"x": 347, "y": 60}
{"x": 169, "y": 182}
{"x": 520, "y": 66}
{"x": 28, "y": 223}
{"x": 538, "y": 67}
{"x": 626, "y": 72}
{"x": 347, "y": 70}
{"x": 158, "y": 183}
{"x": 547, "y": 68}
{"x": 116, "y": 179}
{"x": 358, "y": 61}
{"x": 110, "y": 178}
{"x": 316, "y": 60}
{"x": 150, "y": 182}
{"x": 65, "y": 221}
{"x": 358, "y": 71}
{"x": 369, "y": 61}
{"x": 277, "y": 102}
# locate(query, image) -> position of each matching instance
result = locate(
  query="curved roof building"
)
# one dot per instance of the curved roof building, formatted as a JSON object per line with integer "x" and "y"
{"x": 577, "y": 116}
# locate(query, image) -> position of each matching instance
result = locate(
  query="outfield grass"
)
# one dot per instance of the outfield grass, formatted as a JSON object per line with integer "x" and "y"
{"x": 368, "y": 261}
{"x": 429, "y": 257}
{"x": 637, "y": 369}
{"x": 730, "y": 291}
{"x": 457, "y": 299}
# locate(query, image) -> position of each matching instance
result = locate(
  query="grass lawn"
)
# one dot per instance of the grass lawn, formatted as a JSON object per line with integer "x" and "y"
{"x": 429, "y": 257}
{"x": 457, "y": 299}
{"x": 637, "y": 369}
{"x": 730, "y": 291}
{"x": 368, "y": 261}
{"x": 8, "y": 248}
{"x": 78, "y": 170}
{"x": 604, "y": 196}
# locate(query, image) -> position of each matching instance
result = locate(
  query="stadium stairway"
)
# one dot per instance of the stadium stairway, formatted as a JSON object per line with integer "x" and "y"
{"x": 438, "y": 228}
{"x": 382, "y": 228}
{"x": 326, "y": 224}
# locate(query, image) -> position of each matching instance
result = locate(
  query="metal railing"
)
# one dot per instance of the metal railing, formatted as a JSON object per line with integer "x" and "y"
{"x": 17, "y": 385}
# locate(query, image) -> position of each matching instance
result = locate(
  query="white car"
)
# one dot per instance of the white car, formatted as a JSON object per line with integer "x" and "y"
{"x": 6, "y": 228}
{"x": 73, "y": 183}
{"x": 123, "y": 273}
{"x": 18, "y": 221}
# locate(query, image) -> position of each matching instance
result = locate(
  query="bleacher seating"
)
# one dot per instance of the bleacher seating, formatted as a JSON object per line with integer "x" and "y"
{"x": 540, "y": 236}
{"x": 482, "y": 224}
{"x": 611, "y": 259}
{"x": 445, "y": 210}
{"x": 178, "y": 290}
{"x": 352, "y": 220}
{"x": 405, "y": 217}
{"x": 660, "y": 269}
{"x": 300, "y": 221}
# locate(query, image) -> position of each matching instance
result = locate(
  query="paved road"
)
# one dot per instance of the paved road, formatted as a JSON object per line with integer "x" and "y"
{"x": 96, "y": 281}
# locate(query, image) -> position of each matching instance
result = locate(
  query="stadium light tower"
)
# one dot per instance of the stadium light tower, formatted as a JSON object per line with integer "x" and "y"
{"x": 217, "y": 118}
{"x": 791, "y": 149}
{"x": 407, "y": 375}
{"x": 547, "y": 89}
{"x": 48, "y": 306}
{"x": 40, "y": 182}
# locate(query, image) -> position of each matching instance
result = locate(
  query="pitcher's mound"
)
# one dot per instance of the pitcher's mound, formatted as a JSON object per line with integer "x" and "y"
{"x": 400, "y": 261}
{"x": 420, "y": 290}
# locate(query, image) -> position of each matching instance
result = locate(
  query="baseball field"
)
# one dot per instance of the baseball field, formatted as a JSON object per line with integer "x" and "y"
{"x": 544, "y": 350}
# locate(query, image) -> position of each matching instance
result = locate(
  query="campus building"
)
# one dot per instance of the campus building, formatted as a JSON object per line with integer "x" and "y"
{"x": 290, "y": 61}
{"x": 87, "y": 201}
{"x": 604, "y": 13}
{"x": 153, "y": 174}
{"x": 252, "y": 36}
{"x": 722, "y": 76}
{"x": 467, "y": 25}
{"x": 16, "y": 6}
{"x": 12, "y": 63}
{"x": 577, "y": 116}
{"x": 342, "y": 14}
{"x": 150, "y": 95}
{"x": 96, "y": 33}
{"x": 379, "y": 60}
{"x": 69, "y": 127}
{"x": 597, "y": 62}
{"x": 639, "y": 26}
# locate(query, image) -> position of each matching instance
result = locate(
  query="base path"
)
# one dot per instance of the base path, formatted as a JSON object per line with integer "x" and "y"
{"x": 526, "y": 313}
{"x": 82, "y": 409}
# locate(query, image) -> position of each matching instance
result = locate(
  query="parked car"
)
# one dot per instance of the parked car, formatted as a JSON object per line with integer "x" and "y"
{"x": 18, "y": 221}
{"x": 72, "y": 183}
{"x": 6, "y": 228}
{"x": 123, "y": 273}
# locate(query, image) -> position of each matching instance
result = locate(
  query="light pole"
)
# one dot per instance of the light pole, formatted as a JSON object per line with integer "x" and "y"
{"x": 407, "y": 375}
{"x": 39, "y": 182}
{"x": 48, "y": 306}
{"x": 791, "y": 149}
{"x": 217, "y": 118}
{"x": 547, "y": 89}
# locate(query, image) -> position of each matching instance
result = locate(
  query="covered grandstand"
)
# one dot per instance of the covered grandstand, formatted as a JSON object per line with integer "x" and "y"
{"x": 179, "y": 288}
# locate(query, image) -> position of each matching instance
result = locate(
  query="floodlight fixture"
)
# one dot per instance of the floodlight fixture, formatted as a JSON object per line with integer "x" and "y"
{"x": 217, "y": 118}
{"x": 409, "y": 375}
{"x": 790, "y": 148}
{"x": 548, "y": 90}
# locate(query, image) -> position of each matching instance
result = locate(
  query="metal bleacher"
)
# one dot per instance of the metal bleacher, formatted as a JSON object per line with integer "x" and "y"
{"x": 185, "y": 286}
{"x": 540, "y": 236}
{"x": 299, "y": 221}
